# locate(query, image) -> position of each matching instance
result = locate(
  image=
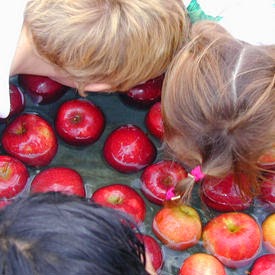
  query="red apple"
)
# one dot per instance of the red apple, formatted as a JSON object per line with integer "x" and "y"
{"x": 127, "y": 149}
{"x": 42, "y": 89}
{"x": 268, "y": 229}
{"x": 17, "y": 102}
{"x": 264, "y": 265}
{"x": 121, "y": 197}
{"x": 224, "y": 194}
{"x": 153, "y": 251}
{"x": 178, "y": 226}
{"x": 31, "y": 139}
{"x": 235, "y": 238}
{"x": 13, "y": 176}
{"x": 154, "y": 121}
{"x": 145, "y": 94}
{"x": 202, "y": 264}
{"x": 79, "y": 122}
{"x": 159, "y": 177}
{"x": 58, "y": 179}
{"x": 267, "y": 160}
{"x": 268, "y": 191}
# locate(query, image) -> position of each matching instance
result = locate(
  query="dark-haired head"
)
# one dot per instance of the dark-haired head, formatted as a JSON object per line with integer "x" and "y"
{"x": 55, "y": 234}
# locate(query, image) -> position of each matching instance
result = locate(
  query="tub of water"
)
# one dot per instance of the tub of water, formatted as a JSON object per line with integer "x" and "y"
{"x": 96, "y": 172}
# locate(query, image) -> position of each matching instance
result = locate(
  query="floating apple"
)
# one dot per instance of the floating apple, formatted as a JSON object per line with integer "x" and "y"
{"x": 79, "y": 122}
{"x": 235, "y": 238}
{"x": 13, "y": 177}
{"x": 127, "y": 149}
{"x": 268, "y": 190}
{"x": 58, "y": 179}
{"x": 202, "y": 264}
{"x": 268, "y": 228}
{"x": 42, "y": 89}
{"x": 159, "y": 177}
{"x": 121, "y": 197}
{"x": 31, "y": 139}
{"x": 264, "y": 265}
{"x": 154, "y": 121}
{"x": 153, "y": 250}
{"x": 224, "y": 194}
{"x": 178, "y": 227}
{"x": 145, "y": 94}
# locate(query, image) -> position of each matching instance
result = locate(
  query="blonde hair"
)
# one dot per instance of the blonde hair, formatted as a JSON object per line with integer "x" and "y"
{"x": 218, "y": 104}
{"x": 122, "y": 42}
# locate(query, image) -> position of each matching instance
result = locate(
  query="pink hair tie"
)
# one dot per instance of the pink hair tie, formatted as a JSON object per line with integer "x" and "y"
{"x": 197, "y": 173}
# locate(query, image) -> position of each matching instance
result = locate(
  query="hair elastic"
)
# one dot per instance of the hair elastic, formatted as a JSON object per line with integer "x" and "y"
{"x": 196, "y": 174}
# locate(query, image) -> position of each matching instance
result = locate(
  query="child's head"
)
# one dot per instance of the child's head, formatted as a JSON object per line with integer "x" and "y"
{"x": 58, "y": 234}
{"x": 218, "y": 103}
{"x": 119, "y": 42}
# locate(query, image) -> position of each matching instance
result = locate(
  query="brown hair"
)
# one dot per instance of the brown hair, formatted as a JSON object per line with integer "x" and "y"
{"x": 218, "y": 104}
{"x": 121, "y": 42}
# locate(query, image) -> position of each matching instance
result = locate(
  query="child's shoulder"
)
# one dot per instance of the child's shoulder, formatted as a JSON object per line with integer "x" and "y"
{"x": 252, "y": 21}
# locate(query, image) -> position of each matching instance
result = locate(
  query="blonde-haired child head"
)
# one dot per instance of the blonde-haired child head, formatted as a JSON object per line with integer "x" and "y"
{"x": 218, "y": 104}
{"x": 119, "y": 42}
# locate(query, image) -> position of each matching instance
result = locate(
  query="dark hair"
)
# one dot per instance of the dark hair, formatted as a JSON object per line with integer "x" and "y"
{"x": 218, "y": 104}
{"x": 52, "y": 233}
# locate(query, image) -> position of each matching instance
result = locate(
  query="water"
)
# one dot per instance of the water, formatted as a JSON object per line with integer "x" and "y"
{"x": 89, "y": 162}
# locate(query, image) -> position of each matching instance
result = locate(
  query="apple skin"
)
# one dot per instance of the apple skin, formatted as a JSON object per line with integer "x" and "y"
{"x": 154, "y": 121}
{"x": 268, "y": 191}
{"x": 58, "y": 179}
{"x": 224, "y": 195}
{"x": 159, "y": 177}
{"x": 41, "y": 89}
{"x": 144, "y": 95}
{"x": 31, "y": 139}
{"x": 121, "y": 197}
{"x": 202, "y": 264}
{"x": 178, "y": 227}
{"x": 268, "y": 229}
{"x": 227, "y": 236}
{"x": 264, "y": 265}
{"x": 128, "y": 149}
{"x": 153, "y": 250}
{"x": 13, "y": 176}
{"x": 79, "y": 122}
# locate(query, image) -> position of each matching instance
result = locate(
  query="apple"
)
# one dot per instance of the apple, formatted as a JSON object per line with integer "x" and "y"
{"x": 267, "y": 160}
{"x": 128, "y": 149}
{"x": 264, "y": 265}
{"x": 79, "y": 122}
{"x": 4, "y": 203}
{"x": 145, "y": 94}
{"x": 267, "y": 193}
{"x": 202, "y": 264}
{"x": 268, "y": 229}
{"x": 159, "y": 177}
{"x": 177, "y": 226}
{"x": 13, "y": 176}
{"x": 154, "y": 121}
{"x": 121, "y": 197}
{"x": 153, "y": 251}
{"x": 235, "y": 238}
{"x": 31, "y": 139}
{"x": 41, "y": 89}
{"x": 58, "y": 179}
{"x": 224, "y": 194}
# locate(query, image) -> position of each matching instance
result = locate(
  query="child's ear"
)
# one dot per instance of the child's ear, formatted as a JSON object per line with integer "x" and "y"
{"x": 97, "y": 87}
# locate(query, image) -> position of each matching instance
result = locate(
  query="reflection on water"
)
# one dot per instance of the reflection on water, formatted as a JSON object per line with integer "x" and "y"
{"x": 90, "y": 164}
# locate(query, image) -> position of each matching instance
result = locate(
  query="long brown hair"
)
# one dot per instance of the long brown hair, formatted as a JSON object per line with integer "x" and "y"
{"x": 218, "y": 104}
